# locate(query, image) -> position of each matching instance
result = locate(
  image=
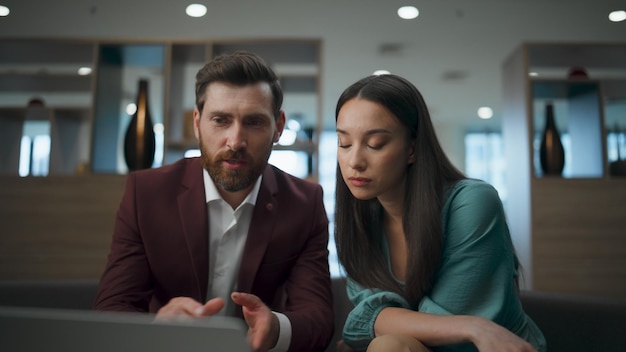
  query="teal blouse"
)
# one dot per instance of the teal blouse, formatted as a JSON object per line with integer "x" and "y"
{"x": 477, "y": 275}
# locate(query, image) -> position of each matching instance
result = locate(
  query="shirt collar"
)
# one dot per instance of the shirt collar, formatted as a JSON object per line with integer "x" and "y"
{"x": 211, "y": 193}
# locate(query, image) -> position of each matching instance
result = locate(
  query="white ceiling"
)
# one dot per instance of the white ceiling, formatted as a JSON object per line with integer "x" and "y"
{"x": 453, "y": 51}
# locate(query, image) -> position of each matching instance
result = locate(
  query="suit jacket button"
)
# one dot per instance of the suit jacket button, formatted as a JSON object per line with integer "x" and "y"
{"x": 269, "y": 207}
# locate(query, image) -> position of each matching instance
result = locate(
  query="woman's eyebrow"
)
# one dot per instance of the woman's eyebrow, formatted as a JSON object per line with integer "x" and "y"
{"x": 368, "y": 132}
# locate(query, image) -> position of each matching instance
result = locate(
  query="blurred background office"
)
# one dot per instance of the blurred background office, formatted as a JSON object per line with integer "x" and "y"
{"x": 476, "y": 62}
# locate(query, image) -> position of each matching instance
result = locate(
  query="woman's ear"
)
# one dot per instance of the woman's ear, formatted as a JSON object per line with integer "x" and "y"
{"x": 411, "y": 158}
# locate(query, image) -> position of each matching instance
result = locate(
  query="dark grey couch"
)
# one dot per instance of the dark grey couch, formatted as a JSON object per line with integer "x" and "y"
{"x": 569, "y": 322}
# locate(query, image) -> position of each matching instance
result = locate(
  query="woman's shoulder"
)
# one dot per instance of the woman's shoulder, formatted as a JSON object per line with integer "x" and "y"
{"x": 470, "y": 188}
{"x": 473, "y": 197}
{"x": 473, "y": 213}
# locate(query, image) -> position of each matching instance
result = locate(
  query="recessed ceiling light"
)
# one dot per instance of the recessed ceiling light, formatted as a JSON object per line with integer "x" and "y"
{"x": 381, "y": 72}
{"x": 533, "y": 74}
{"x": 4, "y": 11}
{"x": 408, "y": 12}
{"x": 485, "y": 112}
{"x": 617, "y": 16}
{"x": 196, "y": 10}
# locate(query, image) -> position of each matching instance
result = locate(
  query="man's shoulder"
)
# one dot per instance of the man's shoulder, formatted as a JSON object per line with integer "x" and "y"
{"x": 284, "y": 178}
{"x": 180, "y": 166}
{"x": 186, "y": 171}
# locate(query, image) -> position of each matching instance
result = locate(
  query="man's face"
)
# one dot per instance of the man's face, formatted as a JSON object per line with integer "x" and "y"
{"x": 236, "y": 130}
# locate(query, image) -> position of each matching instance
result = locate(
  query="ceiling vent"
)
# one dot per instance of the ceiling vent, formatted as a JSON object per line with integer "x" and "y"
{"x": 454, "y": 76}
{"x": 391, "y": 49}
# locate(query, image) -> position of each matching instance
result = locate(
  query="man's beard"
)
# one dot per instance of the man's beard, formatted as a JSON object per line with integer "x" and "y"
{"x": 233, "y": 180}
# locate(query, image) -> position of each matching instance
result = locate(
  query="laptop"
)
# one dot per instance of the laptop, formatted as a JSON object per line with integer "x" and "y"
{"x": 45, "y": 329}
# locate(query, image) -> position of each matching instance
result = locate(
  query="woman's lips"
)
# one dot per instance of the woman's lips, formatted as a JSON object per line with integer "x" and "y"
{"x": 359, "y": 181}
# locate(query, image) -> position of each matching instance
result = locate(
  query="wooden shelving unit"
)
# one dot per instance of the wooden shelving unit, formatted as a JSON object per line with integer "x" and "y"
{"x": 569, "y": 231}
{"x": 87, "y": 113}
{"x": 59, "y": 227}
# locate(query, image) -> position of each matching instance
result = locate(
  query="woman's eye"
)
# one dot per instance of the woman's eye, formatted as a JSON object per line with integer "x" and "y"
{"x": 376, "y": 146}
{"x": 344, "y": 146}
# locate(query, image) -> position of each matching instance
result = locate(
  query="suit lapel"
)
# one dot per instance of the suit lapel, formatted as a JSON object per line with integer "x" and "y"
{"x": 194, "y": 219}
{"x": 260, "y": 232}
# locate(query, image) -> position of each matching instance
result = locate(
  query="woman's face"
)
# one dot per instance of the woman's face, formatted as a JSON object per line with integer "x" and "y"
{"x": 374, "y": 150}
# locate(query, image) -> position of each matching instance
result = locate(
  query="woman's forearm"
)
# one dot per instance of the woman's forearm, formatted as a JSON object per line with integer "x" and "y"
{"x": 430, "y": 329}
{"x": 438, "y": 330}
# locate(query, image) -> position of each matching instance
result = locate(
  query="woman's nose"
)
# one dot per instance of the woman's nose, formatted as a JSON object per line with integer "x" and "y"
{"x": 356, "y": 160}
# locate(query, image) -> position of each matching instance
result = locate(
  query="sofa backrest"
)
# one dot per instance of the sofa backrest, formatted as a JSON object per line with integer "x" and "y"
{"x": 65, "y": 294}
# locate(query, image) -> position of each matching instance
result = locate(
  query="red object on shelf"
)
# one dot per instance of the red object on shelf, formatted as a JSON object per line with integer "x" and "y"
{"x": 577, "y": 72}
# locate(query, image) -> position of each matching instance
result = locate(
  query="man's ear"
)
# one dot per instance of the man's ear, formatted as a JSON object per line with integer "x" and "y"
{"x": 280, "y": 125}
{"x": 196, "y": 122}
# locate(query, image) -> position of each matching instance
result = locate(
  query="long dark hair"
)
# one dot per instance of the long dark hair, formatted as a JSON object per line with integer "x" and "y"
{"x": 359, "y": 223}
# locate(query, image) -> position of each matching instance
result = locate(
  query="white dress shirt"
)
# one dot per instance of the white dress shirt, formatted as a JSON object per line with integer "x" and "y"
{"x": 228, "y": 230}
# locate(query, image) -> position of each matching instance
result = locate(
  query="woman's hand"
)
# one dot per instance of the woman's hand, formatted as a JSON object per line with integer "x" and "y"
{"x": 488, "y": 336}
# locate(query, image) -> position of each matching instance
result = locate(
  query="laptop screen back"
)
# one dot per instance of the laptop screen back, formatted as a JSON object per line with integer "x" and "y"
{"x": 39, "y": 330}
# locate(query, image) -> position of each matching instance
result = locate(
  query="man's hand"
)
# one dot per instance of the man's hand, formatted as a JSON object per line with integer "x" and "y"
{"x": 188, "y": 307}
{"x": 263, "y": 326}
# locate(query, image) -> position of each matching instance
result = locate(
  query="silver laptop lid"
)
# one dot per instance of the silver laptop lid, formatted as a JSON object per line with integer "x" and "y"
{"x": 42, "y": 329}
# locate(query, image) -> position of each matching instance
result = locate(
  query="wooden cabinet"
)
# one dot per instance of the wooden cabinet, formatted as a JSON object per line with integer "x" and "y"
{"x": 569, "y": 231}
{"x": 87, "y": 113}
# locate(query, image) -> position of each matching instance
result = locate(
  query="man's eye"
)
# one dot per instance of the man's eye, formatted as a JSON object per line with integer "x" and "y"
{"x": 255, "y": 123}
{"x": 219, "y": 120}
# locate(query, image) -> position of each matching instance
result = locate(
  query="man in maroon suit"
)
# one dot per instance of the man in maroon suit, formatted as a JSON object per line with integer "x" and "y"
{"x": 226, "y": 233}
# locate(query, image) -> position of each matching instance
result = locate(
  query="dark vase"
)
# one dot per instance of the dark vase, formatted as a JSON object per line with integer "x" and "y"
{"x": 139, "y": 141}
{"x": 551, "y": 153}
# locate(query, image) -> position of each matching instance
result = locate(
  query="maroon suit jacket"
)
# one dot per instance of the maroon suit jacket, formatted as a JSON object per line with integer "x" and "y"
{"x": 159, "y": 249}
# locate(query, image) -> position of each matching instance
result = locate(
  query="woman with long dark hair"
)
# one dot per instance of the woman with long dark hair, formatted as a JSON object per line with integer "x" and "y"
{"x": 427, "y": 251}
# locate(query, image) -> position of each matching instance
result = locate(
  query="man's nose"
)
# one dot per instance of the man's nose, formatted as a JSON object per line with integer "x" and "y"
{"x": 237, "y": 137}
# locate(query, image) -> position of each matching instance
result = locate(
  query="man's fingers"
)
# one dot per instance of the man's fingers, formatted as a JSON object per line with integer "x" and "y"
{"x": 247, "y": 300}
{"x": 179, "y": 306}
{"x": 188, "y": 307}
{"x": 212, "y": 307}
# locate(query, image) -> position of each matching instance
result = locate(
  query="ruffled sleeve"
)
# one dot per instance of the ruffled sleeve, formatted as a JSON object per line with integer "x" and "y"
{"x": 358, "y": 330}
